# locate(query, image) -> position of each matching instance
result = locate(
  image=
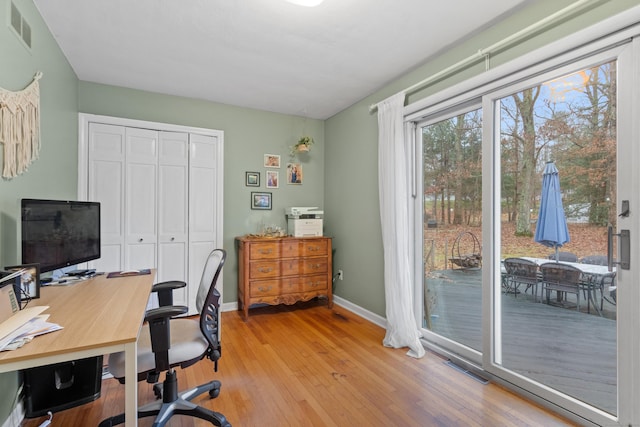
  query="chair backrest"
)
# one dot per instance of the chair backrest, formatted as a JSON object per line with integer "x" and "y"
{"x": 564, "y": 256}
{"x": 553, "y": 272}
{"x": 208, "y": 301}
{"x": 519, "y": 267}
{"x": 595, "y": 260}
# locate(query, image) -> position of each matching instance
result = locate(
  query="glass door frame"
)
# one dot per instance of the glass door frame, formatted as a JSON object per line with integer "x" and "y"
{"x": 492, "y": 211}
{"x": 626, "y": 50}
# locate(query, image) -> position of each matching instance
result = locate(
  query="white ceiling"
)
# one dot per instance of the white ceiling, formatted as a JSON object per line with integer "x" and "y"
{"x": 265, "y": 54}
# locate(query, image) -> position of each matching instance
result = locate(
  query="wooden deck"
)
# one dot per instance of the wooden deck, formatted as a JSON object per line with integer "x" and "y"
{"x": 573, "y": 352}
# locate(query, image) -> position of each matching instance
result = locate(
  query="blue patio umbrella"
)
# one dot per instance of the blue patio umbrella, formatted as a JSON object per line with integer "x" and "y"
{"x": 551, "y": 229}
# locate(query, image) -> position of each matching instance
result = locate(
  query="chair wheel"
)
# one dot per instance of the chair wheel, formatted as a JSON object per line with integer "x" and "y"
{"x": 157, "y": 390}
{"x": 214, "y": 393}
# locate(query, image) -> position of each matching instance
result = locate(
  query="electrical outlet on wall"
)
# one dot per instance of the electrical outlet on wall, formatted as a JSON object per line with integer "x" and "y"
{"x": 340, "y": 275}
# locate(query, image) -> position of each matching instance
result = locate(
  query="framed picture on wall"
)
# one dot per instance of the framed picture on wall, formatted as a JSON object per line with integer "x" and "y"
{"x": 272, "y": 179}
{"x": 29, "y": 280}
{"x": 271, "y": 161}
{"x": 294, "y": 173}
{"x": 252, "y": 179}
{"x": 260, "y": 200}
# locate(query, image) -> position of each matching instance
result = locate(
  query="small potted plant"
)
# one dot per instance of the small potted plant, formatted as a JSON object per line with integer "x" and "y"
{"x": 303, "y": 145}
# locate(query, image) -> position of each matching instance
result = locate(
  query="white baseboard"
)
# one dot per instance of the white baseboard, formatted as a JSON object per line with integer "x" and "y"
{"x": 348, "y": 305}
{"x": 365, "y": 314}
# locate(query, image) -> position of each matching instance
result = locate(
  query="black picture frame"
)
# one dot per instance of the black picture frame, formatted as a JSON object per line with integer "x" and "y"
{"x": 260, "y": 200}
{"x": 252, "y": 179}
{"x": 29, "y": 280}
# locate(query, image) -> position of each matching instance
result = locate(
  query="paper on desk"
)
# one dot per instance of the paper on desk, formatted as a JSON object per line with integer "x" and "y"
{"x": 19, "y": 323}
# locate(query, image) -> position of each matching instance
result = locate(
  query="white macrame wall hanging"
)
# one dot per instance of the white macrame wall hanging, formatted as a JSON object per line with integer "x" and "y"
{"x": 20, "y": 127}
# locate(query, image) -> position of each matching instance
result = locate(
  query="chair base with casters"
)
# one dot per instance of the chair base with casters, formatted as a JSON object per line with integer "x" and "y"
{"x": 173, "y": 403}
{"x": 167, "y": 341}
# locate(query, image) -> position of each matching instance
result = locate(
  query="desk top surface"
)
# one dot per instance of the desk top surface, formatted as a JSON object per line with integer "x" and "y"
{"x": 94, "y": 313}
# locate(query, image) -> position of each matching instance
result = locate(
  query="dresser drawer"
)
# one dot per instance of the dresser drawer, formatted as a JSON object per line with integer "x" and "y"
{"x": 264, "y": 288}
{"x": 290, "y": 249}
{"x": 266, "y": 250}
{"x": 314, "y": 265}
{"x": 313, "y": 283}
{"x": 264, "y": 269}
{"x": 291, "y": 267}
{"x": 314, "y": 247}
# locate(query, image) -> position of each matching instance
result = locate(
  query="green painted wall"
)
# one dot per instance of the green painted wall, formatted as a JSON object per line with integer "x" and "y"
{"x": 53, "y": 174}
{"x": 351, "y": 199}
{"x": 248, "y": 135}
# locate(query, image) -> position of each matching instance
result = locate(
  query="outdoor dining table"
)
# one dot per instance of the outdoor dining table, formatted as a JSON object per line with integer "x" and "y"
{"x": 586, "y": 269}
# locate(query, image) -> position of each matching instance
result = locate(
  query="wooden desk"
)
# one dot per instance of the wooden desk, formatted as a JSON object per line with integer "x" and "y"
{"x": 99, "y": 316}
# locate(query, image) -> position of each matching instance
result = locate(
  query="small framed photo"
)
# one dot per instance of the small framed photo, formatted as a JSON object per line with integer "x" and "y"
{"x": 294, "y": 173}
{"x": 252, "y": 179}
{"x": 260, "y": 200}
{"x": 29, "y": 280}
{"x": 272, "y": 179}
{"x": 271, "y": 161}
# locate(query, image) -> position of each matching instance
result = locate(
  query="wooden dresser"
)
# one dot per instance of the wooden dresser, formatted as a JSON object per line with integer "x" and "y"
{"x": 283, "y": 270}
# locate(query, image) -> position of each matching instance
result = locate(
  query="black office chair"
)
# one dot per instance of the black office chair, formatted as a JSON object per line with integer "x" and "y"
{"x": 192, "y": 339}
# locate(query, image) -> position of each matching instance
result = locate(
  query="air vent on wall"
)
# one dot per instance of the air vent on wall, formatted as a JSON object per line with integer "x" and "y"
{"x": 20, "y": 25}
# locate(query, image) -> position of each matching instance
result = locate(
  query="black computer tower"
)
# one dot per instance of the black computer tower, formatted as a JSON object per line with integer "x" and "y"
{"x": 61, "y": 386}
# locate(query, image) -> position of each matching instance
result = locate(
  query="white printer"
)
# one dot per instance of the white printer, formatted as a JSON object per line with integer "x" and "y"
{"x": 304, "y": 221}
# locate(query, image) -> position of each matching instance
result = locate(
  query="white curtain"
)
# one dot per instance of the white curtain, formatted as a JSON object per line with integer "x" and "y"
{"x": 394, "y": 168}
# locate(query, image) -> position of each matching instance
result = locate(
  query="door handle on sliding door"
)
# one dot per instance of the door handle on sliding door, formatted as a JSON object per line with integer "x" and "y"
{"x": 624, "y": 249}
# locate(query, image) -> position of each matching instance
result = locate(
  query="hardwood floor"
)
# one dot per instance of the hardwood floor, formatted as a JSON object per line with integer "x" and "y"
{"x": 312, "y": 366}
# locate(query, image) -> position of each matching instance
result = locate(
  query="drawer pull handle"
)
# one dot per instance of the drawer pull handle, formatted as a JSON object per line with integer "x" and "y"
{"x": 313, "y": 248}
{"x": 265, "y": 269}
{"x": 316, "y": 266}
{"x": 266, "y": 251}
{"x": 263, "y": 289}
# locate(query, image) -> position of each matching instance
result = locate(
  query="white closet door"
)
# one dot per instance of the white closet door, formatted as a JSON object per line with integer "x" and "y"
{"x": 141, "y": 198}
{"x": 202, "y": 206}
{"x": 106, "y": 185}
{"x": 173, "y": 209}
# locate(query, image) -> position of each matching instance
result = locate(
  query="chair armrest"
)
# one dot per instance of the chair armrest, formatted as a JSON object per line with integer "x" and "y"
{"x": 165, "y": 312}
{"x": 160, "y": 331}
{"x": 165, "y": 291}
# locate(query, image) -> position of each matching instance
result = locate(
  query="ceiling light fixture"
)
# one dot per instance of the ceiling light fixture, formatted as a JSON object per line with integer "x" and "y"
{"x": 307, "y": 3}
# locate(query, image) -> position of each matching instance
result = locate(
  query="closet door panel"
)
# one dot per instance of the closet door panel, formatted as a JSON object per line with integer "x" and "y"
{"x": 202, "y": 207}
{"x": 173, "y": 208}
{"x": 141, "y": 198}
{"x": 106, "y": 185}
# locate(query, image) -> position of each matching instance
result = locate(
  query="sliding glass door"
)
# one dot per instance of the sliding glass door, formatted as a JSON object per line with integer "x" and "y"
{"x": 524, "y": 291}
{"x": 556, "y": 300}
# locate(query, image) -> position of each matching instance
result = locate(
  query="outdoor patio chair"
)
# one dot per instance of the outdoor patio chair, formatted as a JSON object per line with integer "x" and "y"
{"x": 520, "y": 271}
{"x": 606, "y": 284}
{"x": 562, "y": 278}
{"x": 595, "y": 260}
{"x": 564, "y": 256}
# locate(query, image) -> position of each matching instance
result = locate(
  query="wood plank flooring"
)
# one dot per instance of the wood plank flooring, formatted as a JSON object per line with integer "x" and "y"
{"x": 308, "y": 365}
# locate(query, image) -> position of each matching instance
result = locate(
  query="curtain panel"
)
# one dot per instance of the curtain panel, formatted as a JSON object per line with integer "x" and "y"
{"x": 394, "y": 168}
